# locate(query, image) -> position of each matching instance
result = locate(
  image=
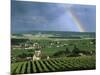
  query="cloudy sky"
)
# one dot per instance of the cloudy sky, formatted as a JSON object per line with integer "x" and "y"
{"x": 36, "y": 16}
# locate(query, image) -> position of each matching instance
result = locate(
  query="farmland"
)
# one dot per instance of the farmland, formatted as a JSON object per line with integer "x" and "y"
{"x": 52, "y": 65}
{"x": 58, "y": 52}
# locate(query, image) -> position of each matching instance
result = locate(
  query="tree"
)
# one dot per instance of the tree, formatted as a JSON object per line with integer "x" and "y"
{"x": 67, "y": 51}
{"x": 75, "y": 50}
{"x": 94, "y": 42}
{"x": 59, "y": 54}
{"x": 23, "y": 55}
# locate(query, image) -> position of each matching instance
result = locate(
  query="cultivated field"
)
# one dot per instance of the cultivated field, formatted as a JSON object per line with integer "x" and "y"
{"x": 52, "y": 65}
{"x": 52, "y": 52}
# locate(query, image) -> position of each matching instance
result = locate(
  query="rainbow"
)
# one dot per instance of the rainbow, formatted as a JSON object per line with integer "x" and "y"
{"x": 76, "y": 21}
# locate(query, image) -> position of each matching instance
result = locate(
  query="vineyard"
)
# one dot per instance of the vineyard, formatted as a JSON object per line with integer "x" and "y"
{"x": 54, "y": 65}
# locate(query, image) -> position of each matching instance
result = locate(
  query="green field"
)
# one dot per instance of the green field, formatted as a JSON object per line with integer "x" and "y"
{"x": 66, "y": 52}
{"x": 53, "y": 65}
{"x": 83, "y": 45}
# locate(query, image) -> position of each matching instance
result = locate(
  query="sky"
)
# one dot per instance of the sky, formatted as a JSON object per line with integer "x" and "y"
{"x": 39, "y": 16}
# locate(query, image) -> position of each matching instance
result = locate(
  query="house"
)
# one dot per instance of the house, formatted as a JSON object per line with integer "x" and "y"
{"x": 81, "y": 54}
{"x": 37, "y": 55}
{"x": 28, "y": 58}
{"x": 48, "y": 57}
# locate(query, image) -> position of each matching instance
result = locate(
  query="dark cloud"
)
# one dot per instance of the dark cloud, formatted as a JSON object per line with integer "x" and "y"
{"x": 49, "y": 16}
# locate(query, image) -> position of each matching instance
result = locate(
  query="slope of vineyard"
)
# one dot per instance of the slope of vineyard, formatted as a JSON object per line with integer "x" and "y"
{"x": 54, "y": 64}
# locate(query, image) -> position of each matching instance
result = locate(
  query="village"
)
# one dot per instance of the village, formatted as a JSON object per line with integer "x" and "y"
{"x": 37, "y": 54}
{"x": 34, "y": 50}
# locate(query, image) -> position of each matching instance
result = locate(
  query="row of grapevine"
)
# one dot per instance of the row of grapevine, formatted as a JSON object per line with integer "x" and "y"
{"x": 51, "y": 68}
{"x": 14, "y": 67}
{"x": 44, "y": 67}
{"x": 19, "y": 68}
{"x": 23, "y": 68}
{"x": 39, "y": 68}
{"x": 52, "y": 65}
{"x": 34, "y": 67}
